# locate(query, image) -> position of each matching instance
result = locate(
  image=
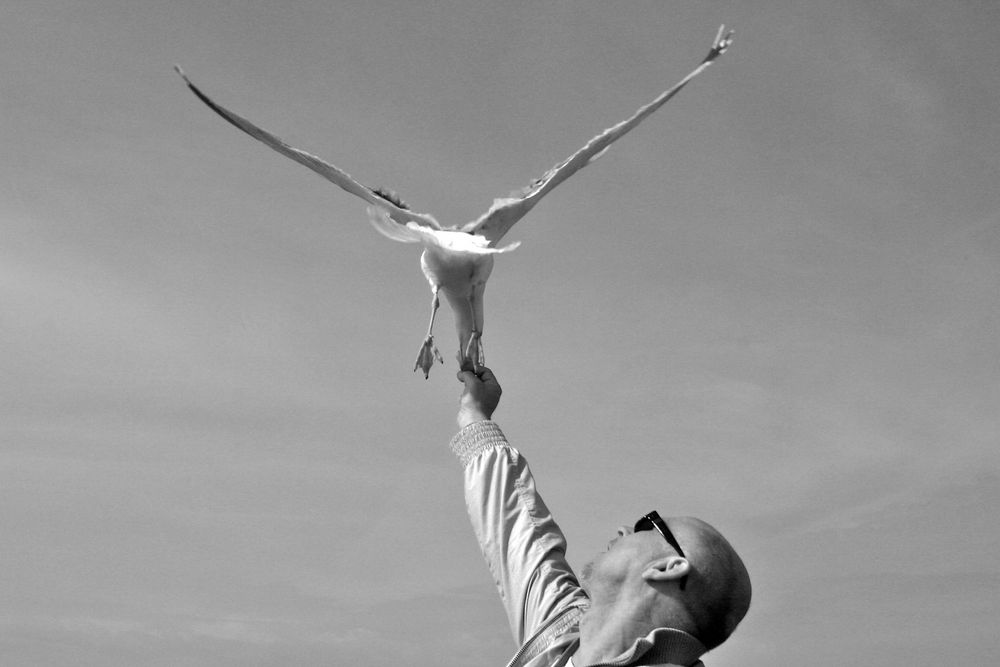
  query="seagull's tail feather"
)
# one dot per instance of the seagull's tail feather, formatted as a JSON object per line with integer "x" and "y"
{"x": 449, "y": 240}
{"x": 506, "y": 248}
{"x": 454, "y": 241}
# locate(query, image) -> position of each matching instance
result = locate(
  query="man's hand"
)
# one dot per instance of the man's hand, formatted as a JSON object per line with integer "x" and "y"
{"x": 480, "y": 398}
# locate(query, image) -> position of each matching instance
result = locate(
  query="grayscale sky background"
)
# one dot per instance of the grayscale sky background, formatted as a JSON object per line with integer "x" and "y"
{"x": 774, "y": 305}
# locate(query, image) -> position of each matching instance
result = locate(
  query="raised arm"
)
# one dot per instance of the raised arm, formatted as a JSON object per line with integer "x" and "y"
{"x": 523, "y": 547}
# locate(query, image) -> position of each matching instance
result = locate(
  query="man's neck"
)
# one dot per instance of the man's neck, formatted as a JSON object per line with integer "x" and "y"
{"x": 606, "y": 633}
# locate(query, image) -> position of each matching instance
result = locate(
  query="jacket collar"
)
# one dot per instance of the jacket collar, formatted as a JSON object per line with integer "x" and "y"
{"x": 661, "y": 646}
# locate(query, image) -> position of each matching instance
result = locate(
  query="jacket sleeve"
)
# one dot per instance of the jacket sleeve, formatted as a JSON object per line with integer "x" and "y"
{"x": 522, "y": 545}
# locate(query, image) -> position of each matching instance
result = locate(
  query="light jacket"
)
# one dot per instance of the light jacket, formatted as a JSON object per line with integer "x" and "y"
{"x": 526, "y": 554}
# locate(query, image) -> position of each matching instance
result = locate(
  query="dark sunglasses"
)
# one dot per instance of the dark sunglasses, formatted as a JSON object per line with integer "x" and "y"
{"x": 653, "y": 520}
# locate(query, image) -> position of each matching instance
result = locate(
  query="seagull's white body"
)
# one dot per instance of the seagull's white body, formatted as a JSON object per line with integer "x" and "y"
{"x": 456, "y": 263}
{"x": 458, "y": 260}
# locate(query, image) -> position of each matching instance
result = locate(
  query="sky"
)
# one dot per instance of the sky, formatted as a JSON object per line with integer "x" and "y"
{"x": 775, "y": 305}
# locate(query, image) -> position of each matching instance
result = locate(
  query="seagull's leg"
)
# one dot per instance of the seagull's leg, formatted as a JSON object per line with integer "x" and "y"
{"x": 474, "y": 351}
{"x": 435, "y": 304}
{"x": 428, "y": 352}
{"x": 474, "y": 348}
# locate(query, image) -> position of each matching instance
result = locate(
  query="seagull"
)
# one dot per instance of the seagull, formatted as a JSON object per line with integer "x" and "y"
{"x": 458, "y": 260}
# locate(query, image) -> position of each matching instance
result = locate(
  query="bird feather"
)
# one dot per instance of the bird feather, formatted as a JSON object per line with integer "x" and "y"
{"x": 506, "y": 211}
{"x": 328, "y": 171}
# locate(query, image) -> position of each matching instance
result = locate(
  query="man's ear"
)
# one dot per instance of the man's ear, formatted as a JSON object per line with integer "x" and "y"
{"x": 668, "y": 568}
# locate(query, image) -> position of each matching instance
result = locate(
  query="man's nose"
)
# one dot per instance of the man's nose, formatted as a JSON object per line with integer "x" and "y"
{"x": 623, "y": 531}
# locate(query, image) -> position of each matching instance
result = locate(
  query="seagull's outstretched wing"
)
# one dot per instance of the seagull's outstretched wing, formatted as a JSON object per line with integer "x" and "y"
{"x": 333, "y": 174}
{"x": 506, "y": 211}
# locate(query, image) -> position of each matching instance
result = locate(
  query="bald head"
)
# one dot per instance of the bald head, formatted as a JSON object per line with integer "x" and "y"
{"x": 717, "y": 594}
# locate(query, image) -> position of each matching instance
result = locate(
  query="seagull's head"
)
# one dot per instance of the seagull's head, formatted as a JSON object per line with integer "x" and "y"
{"x": 391, "y": 197}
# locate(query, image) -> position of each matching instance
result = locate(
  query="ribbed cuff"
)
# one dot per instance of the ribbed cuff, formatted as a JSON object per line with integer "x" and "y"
{"x": 475, "y": 439}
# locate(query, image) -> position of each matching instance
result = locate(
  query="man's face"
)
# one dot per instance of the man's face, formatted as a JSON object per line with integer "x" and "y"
{"x": 625, "y": 556}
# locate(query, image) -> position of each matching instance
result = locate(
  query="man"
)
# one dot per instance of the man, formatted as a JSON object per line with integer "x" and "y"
{"x": 665, "y": 592}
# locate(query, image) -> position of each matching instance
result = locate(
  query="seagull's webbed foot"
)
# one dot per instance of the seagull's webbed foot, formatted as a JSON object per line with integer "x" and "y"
{"x": 426, "y": 356}
{"x": 428, "y": 353}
